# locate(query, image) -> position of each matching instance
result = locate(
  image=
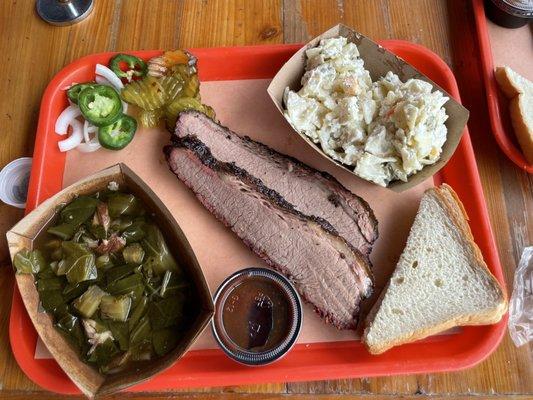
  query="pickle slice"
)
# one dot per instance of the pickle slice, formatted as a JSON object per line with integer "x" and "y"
{"x": 173, "y": 87}
{"x": 208, "y": 110}
{"x": 150, "y": 119}
{"x": 147, "y": 94}
{"x": 177, "y": 106}
{"x": 192, "y": 87}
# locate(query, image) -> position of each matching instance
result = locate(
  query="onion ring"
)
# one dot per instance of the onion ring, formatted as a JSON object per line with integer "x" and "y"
{"x": 102, "y": 81}
{"x": 90, "y": 146}
{"x": 88, "y": 128}
{"x": 65, "y": 119}
{"x": 102, "y": 70}
{"x": 75, "y": 137}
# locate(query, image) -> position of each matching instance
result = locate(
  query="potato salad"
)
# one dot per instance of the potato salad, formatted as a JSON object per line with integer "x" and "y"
{"x": 385, "y": 130}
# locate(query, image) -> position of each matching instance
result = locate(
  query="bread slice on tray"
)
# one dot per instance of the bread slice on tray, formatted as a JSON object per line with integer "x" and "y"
{"x": 440, "y": 281}
{"x": 520, "y": 92}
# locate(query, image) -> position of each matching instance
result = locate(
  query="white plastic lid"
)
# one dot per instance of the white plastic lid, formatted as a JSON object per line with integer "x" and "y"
{"x": 14, "y": 179}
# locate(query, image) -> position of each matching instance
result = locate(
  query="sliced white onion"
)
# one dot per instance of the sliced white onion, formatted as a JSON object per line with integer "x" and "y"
{"x": 75, "y": 137}
{"x": 88, "y": 128}
{"x": 65, "y": 119}
{"x": 124, "y": 107}
{"x": 90, "y": 146}
{"x": 86, "y": 131}
{"x": 102, "y": 81}
{"x": 102, "y": 70}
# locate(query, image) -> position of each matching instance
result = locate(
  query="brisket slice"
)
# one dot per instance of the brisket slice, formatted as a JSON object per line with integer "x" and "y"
{"x": 326, "y": 271}
{"x": 310, "y": 191}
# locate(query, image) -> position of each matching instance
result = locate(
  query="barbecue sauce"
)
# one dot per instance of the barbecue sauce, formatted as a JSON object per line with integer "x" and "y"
{"x": 256, "y": 314}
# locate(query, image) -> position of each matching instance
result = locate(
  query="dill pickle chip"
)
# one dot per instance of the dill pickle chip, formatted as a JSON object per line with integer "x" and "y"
{"x": 192, "y": 87}
{"x": 180, "y": 104}
{"x": 183, "y": 70}
{"x": 173, "y": 86}
{"x": 147, "y": 94}
{"x": 208, "y": 110}
{"x": 150, "y": 119}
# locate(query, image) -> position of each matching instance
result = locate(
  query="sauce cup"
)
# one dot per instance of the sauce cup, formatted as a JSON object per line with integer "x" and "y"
{"x": 258, "y": 316}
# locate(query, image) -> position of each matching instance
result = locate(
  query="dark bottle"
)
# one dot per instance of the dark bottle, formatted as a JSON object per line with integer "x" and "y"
{"x": 509, "y": 13}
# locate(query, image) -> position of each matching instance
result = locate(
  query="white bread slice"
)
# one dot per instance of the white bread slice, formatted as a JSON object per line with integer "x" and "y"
{"x": 520, "y": 91}
{"x": 440, "y": 281}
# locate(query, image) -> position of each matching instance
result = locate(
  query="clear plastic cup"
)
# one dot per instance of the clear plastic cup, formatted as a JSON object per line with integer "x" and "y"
{"x": 14, "y": 179}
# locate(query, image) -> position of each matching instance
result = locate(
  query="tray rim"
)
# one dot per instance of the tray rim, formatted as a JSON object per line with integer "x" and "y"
{"x": 492, "y": 92}
{"x": 394, "y": 362}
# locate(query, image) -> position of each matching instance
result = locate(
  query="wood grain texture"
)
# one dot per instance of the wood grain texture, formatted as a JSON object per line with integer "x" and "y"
{"x": 246, "y": 396}
{"x": 36, "y": 51}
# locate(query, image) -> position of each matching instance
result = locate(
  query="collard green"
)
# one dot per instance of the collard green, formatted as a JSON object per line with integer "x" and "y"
{"x": 29, "y": 262}
{"x": 64, "y": 231}
{"x": 121, "y": 333}
{"x": 138, "y": 312}
{"x": 82, "y": 269}
{"x": 107, "y": 277}
{"x": 52, "y": 301}
{"x": 79, "y": 210}
{"x": 73, "y": 215}
{"x": 74, "y": 290}
{"x": 69, "y": 325}
{"x": 87, "y": 304}
{"x": 135, "y": 231}
{"x": 117, "y": 273}
{"x": 78, "y": 263}
{"x": 52, "y": 283}
{"x": 116, "y": 308}
{"x": 141, "y": 333}
{"x": 158, "y": 256}
{"x": 166, "y": 312}
{"x": 123, "y": 204}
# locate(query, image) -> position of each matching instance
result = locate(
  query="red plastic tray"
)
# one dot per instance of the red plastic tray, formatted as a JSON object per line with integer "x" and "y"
{"x": 499, "y": 115}
{"x": 316, "y": 361}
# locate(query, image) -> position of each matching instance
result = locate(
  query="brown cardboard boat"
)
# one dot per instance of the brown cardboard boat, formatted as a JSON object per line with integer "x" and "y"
{"x": 23, "y": 235}
{"x": 378, "y": 61}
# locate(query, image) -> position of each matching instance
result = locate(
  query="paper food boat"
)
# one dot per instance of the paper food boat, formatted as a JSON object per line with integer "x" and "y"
{"x": 378, "y": 61}
{"x": 23, "y": 235}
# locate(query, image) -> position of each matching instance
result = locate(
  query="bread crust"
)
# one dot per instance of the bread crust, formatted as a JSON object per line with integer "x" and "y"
{"x": 516, "y": 88}
{"x": 450, "y": 201}
{"x": 507, "y": 85}
{"x": 523, "y": 133}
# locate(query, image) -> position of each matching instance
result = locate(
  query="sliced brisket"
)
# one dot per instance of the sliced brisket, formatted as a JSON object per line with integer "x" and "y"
{"x": 310, "y": 191}
{"x": 325, "y": 269}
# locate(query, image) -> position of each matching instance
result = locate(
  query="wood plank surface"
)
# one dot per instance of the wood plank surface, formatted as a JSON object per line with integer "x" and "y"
{"x": 36, "y": 51}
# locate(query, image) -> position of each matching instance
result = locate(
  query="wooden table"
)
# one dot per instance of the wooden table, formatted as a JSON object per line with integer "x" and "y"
{"x": 35, "y": 51}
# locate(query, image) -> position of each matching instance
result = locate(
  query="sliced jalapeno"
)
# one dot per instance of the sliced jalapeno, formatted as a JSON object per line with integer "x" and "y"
{"x": 100, "y": 104}
{"x": 117, "y": 135}
{"x": 74, "y": 91}
{"x": 127, "y": 66}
